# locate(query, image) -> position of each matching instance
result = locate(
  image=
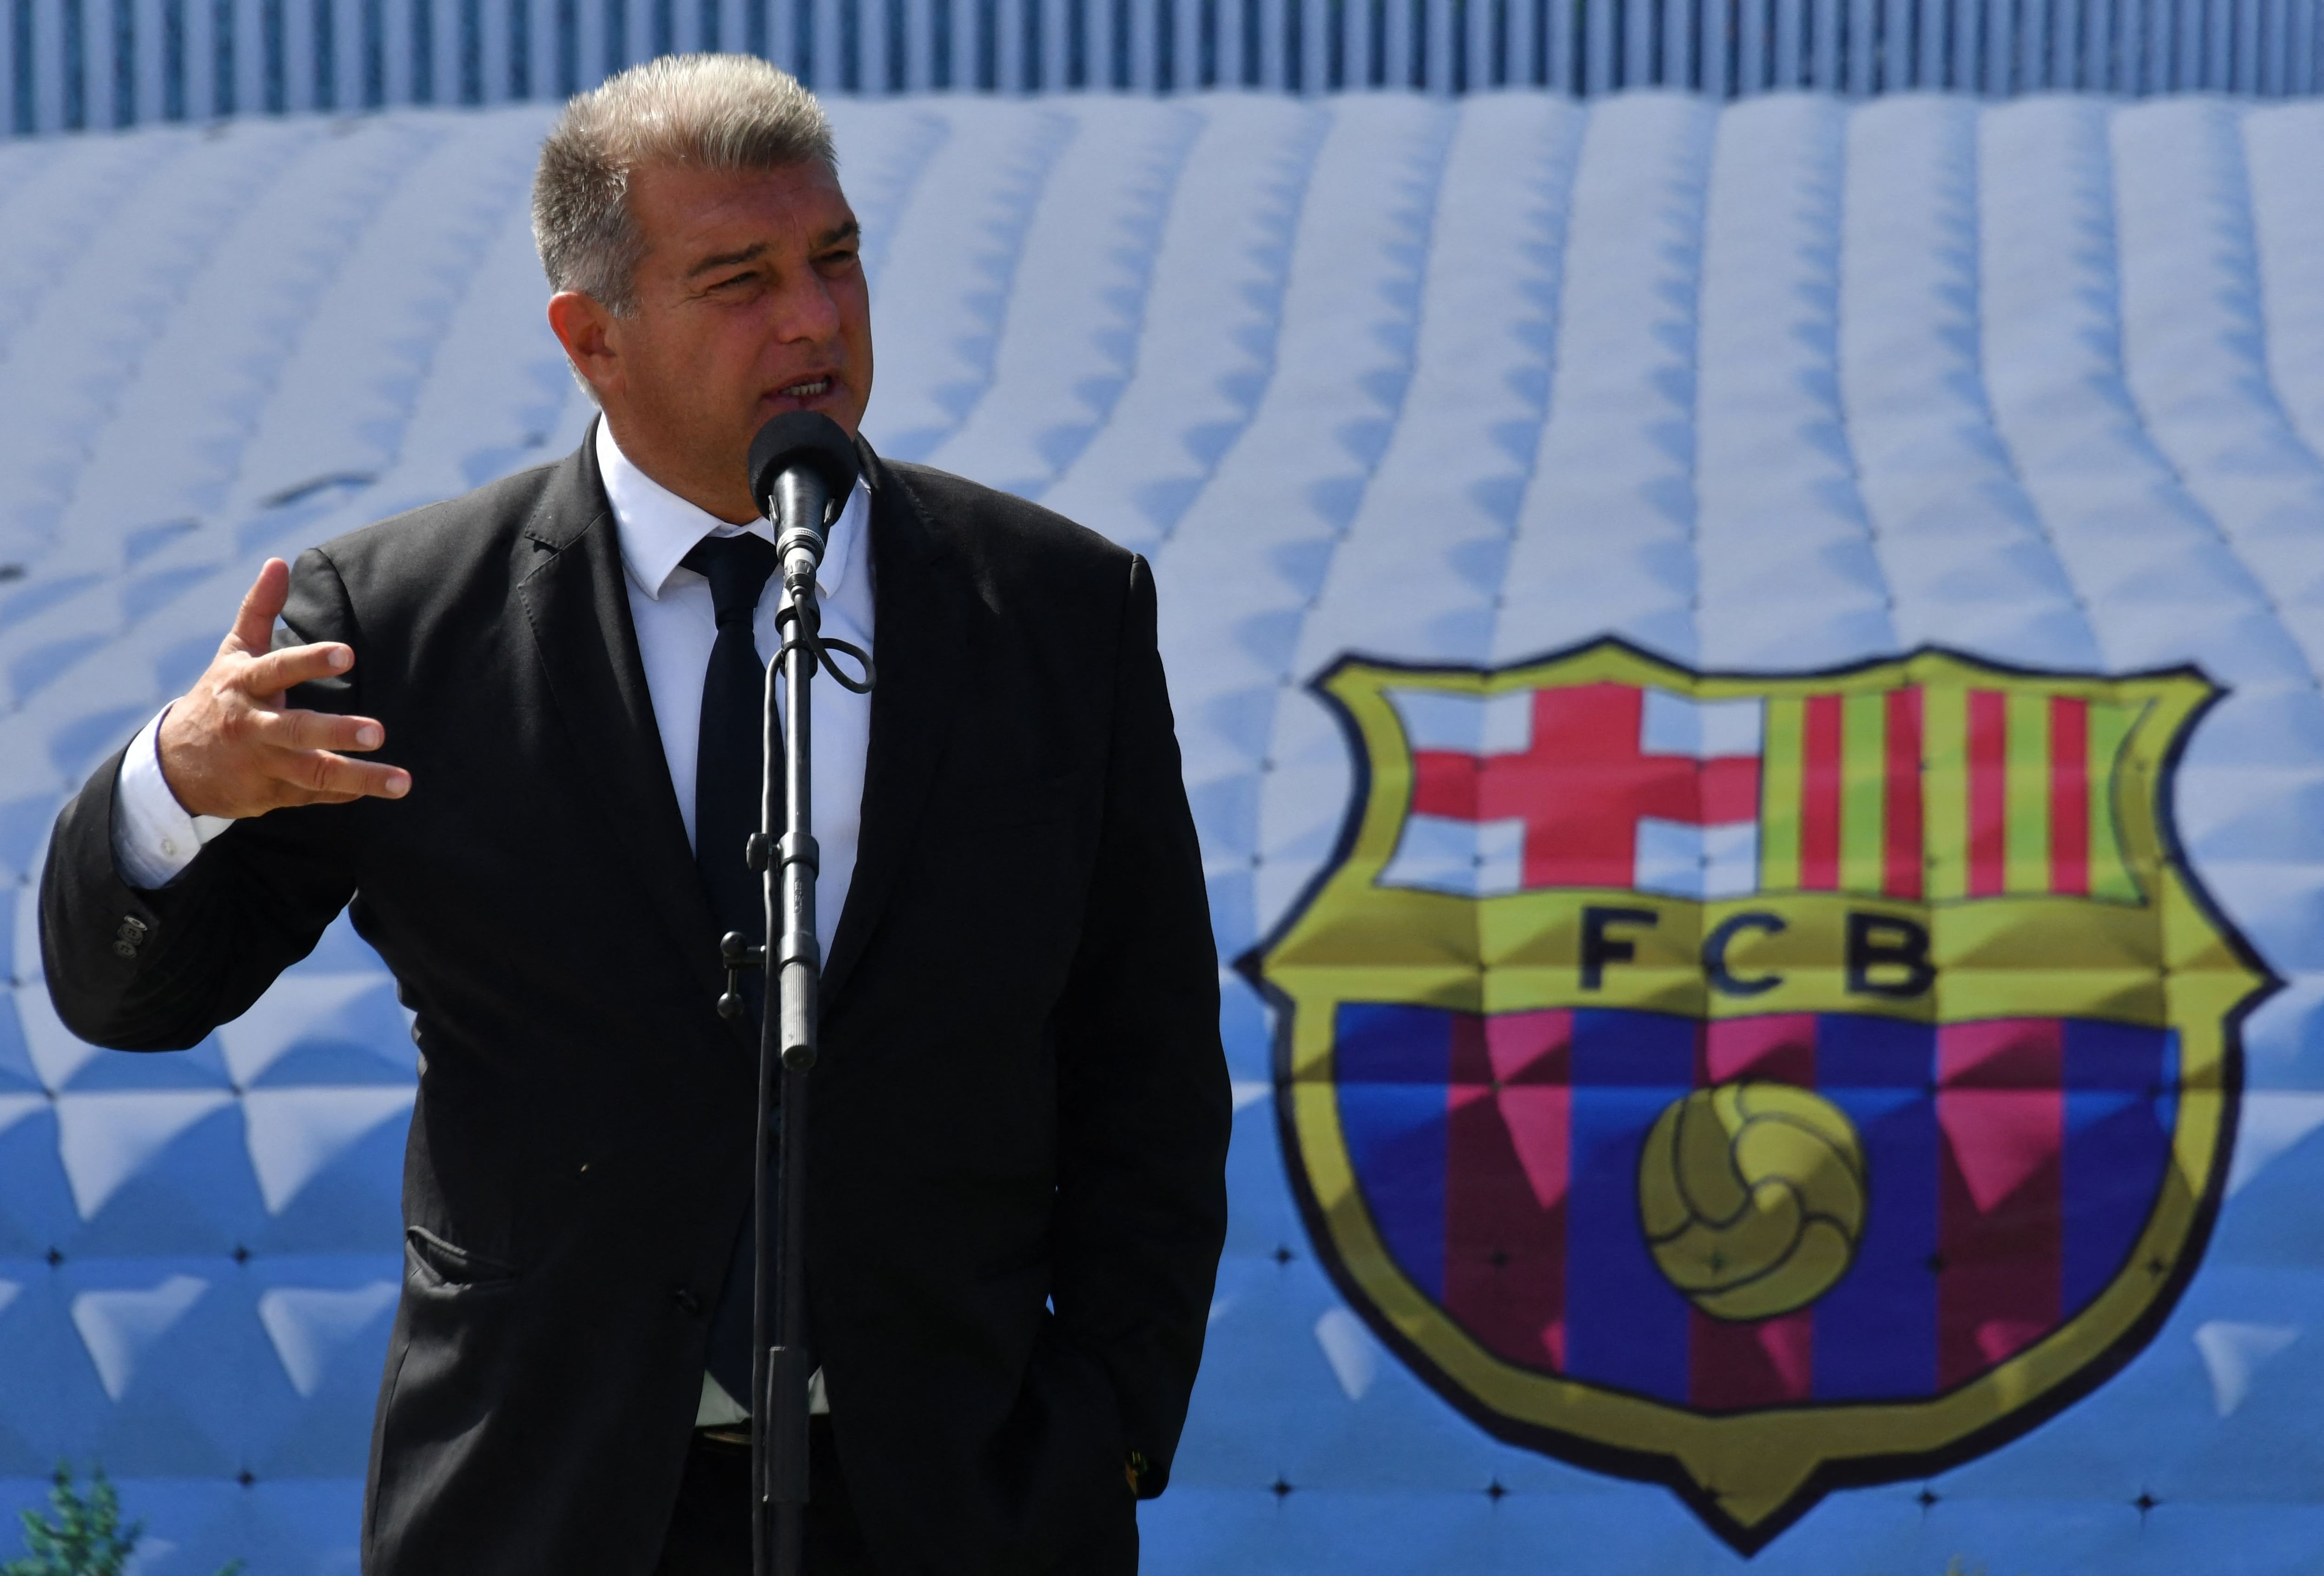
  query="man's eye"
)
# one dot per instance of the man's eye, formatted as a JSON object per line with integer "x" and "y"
{"x": 839, "y": 259}
{"x": 732, "y": 279}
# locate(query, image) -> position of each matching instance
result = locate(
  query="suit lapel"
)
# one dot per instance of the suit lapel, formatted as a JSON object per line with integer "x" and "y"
{"x": 919, "y": 618}
{"x": 577, "y": 601}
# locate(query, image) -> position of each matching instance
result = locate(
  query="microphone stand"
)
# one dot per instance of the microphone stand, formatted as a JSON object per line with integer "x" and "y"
{"x": 781, "y": 1365}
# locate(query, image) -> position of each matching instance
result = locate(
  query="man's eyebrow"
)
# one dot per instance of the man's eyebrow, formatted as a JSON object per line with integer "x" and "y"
{"x": 726, "y": 260}
{"x": 829, "y": 238}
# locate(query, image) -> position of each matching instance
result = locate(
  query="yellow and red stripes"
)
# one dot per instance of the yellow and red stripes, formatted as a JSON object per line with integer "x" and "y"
{"x": 1943, "y": 793}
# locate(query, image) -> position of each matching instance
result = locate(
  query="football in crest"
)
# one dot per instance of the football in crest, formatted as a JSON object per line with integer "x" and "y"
{"x": 1751, "y": 1195}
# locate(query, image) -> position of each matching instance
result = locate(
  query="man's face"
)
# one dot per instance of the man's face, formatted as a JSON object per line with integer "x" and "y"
{"x": 750, "y": 301}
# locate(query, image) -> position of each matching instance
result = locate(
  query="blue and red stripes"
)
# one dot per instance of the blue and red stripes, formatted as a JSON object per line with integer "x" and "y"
{"x": 1509, "y": 1115}
{"x": 1878, "y": 1327}
{"x": 2011, "y": 1165}
{"x": 1628, "y": 1329}
{"x": 2001, "y": 1191}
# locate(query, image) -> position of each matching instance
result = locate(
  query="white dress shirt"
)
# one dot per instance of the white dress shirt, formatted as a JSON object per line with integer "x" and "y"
{"x": 154, "y": 839}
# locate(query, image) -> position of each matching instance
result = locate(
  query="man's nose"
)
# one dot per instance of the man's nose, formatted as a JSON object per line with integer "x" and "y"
{"x": 808, "y": 313}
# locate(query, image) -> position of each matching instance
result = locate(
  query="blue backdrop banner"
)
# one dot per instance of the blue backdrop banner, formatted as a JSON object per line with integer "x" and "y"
{"x": 1749, "y": 682}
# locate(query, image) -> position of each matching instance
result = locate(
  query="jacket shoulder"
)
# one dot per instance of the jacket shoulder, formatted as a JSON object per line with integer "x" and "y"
{"x": 443, "y": 543}
{"x": 1006, "y": 536}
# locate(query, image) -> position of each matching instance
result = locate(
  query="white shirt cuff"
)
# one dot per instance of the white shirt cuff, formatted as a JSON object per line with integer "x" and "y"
{"x": 154, "y": 837}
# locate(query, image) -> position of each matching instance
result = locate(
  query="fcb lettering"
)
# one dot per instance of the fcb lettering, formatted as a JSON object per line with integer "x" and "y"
{"x": 1759, "y": 1084}
{"x": 1877, "y": 943}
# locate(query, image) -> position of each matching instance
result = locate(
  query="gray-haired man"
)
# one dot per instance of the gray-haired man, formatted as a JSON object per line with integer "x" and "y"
{"x": 497, "y": 726}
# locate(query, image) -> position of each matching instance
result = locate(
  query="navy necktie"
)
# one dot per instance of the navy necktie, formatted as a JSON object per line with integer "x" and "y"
{"x": 727, "y": 783}
{"x": 727, "y": 786}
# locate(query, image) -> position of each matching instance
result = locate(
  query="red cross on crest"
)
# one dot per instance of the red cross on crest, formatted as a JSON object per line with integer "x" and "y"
{"x": 1588, "y": 774}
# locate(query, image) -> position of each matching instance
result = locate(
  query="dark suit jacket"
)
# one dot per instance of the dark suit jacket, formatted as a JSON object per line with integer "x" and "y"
{"x": 1019, "y": 1120}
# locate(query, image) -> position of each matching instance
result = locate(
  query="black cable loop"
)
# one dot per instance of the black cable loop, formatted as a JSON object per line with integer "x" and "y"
{"x": 818, "y": 650}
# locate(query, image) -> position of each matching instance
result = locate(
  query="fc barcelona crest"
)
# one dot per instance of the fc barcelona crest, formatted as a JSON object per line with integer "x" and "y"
{"x": 1759, "y": 1084}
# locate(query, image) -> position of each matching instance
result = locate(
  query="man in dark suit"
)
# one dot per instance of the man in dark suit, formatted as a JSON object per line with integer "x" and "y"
{"x": 480, "y": 729}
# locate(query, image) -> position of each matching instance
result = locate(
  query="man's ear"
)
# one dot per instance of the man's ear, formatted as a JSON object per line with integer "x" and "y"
{"x": 583, "y": 325}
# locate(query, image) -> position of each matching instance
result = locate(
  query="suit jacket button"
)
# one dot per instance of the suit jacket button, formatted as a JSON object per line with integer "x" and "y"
{"x": 685, "y": 1298}
{"x": 125, "y": 949}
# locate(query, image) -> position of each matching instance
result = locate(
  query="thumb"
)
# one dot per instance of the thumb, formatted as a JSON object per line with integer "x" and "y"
{"x": 261, "y": 604}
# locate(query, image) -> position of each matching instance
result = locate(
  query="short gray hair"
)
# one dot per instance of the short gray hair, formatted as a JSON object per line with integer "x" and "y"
{"x": 715, "y": 112}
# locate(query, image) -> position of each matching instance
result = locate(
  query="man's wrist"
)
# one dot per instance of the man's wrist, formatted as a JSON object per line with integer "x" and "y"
{"x": 154, "y": 836}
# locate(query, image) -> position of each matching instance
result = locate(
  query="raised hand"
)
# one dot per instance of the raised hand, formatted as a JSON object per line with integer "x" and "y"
{"x": 232, "y": 746}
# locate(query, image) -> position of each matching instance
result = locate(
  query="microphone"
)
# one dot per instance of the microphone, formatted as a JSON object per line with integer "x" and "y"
{"x": 802, "y": 468}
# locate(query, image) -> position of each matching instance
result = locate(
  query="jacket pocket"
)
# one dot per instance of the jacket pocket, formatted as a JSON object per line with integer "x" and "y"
{"x": 440, "y": 1460}
{"x": 434, "y": 1265}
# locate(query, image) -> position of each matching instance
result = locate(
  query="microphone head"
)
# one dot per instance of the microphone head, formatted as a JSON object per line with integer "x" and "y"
{"x": 803, "y": 437}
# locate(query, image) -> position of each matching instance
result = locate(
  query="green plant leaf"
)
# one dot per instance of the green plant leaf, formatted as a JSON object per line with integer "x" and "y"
{"x": 85, "y": 1537}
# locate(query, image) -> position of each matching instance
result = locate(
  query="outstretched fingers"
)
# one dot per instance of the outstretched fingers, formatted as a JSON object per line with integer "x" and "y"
{"x": 319, "y": 776}
{"x": 232, "y": 746}
{"x": 261, "y": 604}
{"x": 303, "y": 750}
{"x": 303, "y": 731}
{"x": 277, "y": 671}
{"x": 270, "y": 672}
